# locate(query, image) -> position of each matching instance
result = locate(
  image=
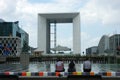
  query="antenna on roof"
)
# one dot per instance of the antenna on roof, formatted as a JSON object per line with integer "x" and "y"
{"x": 115, "y": 29}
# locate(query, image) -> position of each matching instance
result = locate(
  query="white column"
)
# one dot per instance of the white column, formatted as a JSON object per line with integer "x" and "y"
{"x": 42, "y": 33}
{"x": 76, "y": 35}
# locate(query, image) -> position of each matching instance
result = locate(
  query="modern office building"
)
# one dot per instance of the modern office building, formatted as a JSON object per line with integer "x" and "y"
{"x": 10, "y": 46}
{"x": 109, "y": 45}
{"x": 12, "y": 30}
{"x": 103, "y": 45}
{"x": 44, "y": 34}
{"x": 115, "y": 44}
{"x": 91, "y": 50}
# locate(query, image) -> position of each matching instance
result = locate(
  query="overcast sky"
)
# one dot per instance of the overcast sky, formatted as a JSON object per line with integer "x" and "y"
{"x": 98, "y": 17}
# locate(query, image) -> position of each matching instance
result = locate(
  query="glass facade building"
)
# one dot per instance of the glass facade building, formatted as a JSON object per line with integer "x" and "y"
{"x": 5, "y": 29}
{"x": 92, "y": 50}
{"x": 115, "y": 43}
{"x": 12, "y": 29}
{"x": 109, "y": 45}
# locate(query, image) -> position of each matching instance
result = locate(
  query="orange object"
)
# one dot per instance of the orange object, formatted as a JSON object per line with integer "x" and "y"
{"x": 109, "y": 74}
{"x": 57, "y": 73}
{"x": 92, "y": 73}
{"x": 74, "y": 73}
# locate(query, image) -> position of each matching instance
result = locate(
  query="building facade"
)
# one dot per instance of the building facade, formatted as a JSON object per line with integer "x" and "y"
{"x": 10, "y": 46}
{"x": 115, "y": 44}
{"x": 12, "y": 30}
{"x": 91, "y": 50}
{"x": 109, "y": 45}
{"x": 44, "y": 21}
{"x": 103, "y": 46}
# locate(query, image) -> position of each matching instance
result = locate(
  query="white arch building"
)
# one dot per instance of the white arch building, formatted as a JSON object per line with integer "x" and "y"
{"x": 44, "y": 20}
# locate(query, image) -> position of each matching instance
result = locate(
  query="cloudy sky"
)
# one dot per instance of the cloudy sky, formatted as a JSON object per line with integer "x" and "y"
{"x": 98, "y": 17}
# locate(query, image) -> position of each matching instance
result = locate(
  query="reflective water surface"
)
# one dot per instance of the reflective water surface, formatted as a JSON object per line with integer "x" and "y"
{"x": 42, "y": 66}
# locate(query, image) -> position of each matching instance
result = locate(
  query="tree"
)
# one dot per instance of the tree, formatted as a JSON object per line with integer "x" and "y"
{"x": 25, "y": 47}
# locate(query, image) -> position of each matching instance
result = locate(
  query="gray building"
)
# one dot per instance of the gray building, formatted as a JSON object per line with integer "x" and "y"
{"x": 12, "y": 29}
{"x": 109, "y": 45}
{"x": 91, "y": 50}
{"x": 115, "y": 44}
{"x": 103, "y": 46}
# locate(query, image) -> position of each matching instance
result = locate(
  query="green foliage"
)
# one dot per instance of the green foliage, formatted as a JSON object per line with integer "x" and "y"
{"x": 25, "y": 47}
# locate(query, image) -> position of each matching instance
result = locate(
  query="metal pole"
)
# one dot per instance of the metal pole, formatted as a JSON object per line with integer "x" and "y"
{"x": 114, "y": 48}
{"x": 55, "y": 36}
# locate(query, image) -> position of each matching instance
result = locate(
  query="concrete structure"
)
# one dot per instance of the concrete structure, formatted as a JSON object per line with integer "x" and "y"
{"x": 103, "y": 46}
{"x": 60, "y": 75}
{"x": 44, "y": 21}
{"x": 91, "y": 50}
{"x": 24, "y": 59}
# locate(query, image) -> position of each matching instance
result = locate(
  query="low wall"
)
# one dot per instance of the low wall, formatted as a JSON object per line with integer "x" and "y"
{"x": 2, "y": 59}
{"x": 61, "y": 75}
{"x": 24, "y": 59}
{"x": 65, "y": 78}
{"x": 77, "y": 59}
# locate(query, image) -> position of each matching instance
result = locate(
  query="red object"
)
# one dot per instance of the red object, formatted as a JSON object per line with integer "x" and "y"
{"x": 57, "y": 73}
{"x": 6, "y": 73}
{"x": 40, "y": 73}
{"x": 23, "y": 73}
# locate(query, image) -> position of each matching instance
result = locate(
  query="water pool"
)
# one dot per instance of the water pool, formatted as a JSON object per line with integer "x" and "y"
{"x": 42, "y": 66}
